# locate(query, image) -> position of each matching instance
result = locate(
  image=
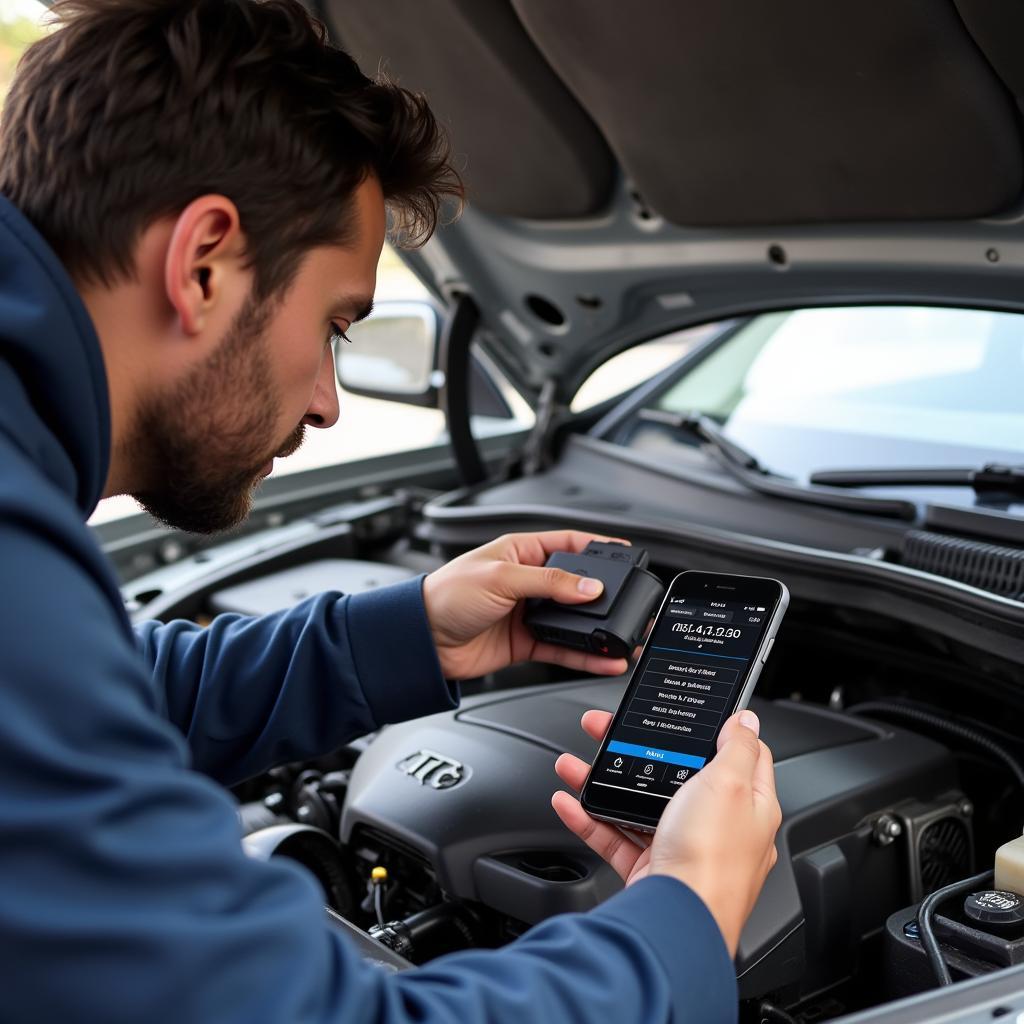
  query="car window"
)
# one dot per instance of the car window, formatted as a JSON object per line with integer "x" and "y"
{"x": 866, "y": 387}
{"x": 634, "y": 366}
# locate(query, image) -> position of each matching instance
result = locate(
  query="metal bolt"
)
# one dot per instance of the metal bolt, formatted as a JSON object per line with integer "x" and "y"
{"x": 992, "y": 255}
{"x": 273, "y": 800}
{"x": 966, "y": 808}
{"x": 303, "y": 812}
{"x": 887, "y": 828}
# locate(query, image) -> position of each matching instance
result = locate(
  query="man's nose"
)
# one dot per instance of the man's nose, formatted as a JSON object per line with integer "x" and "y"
{"x": 323, "y": 408}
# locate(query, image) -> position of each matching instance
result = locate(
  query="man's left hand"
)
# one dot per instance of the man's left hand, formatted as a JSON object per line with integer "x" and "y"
{"x": 475, "y": 605}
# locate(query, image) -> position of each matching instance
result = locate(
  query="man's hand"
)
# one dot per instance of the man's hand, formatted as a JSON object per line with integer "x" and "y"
{"x": 717, "y": 833}
{"x": 474, "y": 605}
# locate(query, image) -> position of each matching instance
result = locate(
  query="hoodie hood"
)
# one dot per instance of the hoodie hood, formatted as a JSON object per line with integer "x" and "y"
{"x": 54, "y": 401}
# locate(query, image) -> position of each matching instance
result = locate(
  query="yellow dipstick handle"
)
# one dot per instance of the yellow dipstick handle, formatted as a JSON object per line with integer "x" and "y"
{"x": 379, "y": 875}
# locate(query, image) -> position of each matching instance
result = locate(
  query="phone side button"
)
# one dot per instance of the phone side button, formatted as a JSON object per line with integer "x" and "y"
{"x": 767, "y": 649}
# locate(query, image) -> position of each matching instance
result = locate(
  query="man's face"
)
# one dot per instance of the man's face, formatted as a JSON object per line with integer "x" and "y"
{"x": 212, "y": 436}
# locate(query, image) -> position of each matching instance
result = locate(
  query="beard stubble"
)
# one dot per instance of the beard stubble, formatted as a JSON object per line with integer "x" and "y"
{"x": 203, "y": 445}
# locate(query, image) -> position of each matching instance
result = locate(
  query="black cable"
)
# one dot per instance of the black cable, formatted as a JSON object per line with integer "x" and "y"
{"x": 378, "y": 908}
{"x": 924, "y": 921}
{"x": 874, "y": 707}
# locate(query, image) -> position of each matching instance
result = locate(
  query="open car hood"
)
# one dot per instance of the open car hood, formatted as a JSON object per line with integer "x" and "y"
{"x": 635, "y": 168}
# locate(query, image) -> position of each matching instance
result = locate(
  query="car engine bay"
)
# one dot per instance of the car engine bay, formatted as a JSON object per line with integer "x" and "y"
{"x": 894, "y": 769}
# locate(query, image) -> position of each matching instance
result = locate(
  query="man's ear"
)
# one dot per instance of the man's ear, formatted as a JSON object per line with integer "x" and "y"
{"x": 205, "y": 253}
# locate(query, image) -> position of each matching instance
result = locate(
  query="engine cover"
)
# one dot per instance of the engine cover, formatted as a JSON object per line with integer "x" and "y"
{"x": 469, "y": 791}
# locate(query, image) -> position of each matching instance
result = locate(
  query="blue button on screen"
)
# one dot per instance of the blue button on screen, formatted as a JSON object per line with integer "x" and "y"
{"x": 655, "y": 754}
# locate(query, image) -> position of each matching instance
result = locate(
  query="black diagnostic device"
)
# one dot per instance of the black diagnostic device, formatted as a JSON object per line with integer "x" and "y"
{"x": 614, "y": 623}
{"x": 700, "y": 662}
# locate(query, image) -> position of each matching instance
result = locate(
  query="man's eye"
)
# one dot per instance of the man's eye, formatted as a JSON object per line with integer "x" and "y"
{"x": 337, "y": 334}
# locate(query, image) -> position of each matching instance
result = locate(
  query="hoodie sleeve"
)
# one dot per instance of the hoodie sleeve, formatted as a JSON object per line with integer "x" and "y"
{"x": 251, "y": 692}
{"x": 125, "y": 895}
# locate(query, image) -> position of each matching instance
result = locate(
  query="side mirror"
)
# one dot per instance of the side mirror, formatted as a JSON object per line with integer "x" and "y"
{"x": 393, "y": 355}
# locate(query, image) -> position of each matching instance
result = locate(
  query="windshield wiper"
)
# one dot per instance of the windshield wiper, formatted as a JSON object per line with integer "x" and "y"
{"x": 705, "y": 430}
{"x": 992, "y": 478}
{"x": 745, "y": 467}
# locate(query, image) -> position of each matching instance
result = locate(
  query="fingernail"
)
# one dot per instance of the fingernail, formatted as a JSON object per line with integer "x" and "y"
{"x": 750, "y": 721}
{"x": 588, "y": 585}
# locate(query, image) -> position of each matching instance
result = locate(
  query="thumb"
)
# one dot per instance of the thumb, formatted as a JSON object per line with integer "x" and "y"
{"x": 738, "y": 746}
{"x": 745, "y": 719}
{"x": 518, "y": 581}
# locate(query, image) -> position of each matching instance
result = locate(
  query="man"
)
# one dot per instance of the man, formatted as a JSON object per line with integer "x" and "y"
{"x": 195, "y": 205}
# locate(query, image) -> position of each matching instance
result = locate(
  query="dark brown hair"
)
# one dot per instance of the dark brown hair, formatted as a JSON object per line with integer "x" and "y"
{"x": 131, "y": 109}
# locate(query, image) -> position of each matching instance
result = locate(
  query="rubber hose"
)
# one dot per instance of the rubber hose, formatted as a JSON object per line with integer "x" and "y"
{"x": 924, "y": 921}
{"x": 944, "y": 725}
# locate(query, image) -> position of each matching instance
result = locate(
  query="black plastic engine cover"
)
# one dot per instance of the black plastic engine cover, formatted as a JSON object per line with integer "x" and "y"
{"x": 470, "y": 790}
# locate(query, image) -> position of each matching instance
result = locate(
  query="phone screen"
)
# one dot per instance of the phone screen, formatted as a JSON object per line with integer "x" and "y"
{"x": 701, "y": 658}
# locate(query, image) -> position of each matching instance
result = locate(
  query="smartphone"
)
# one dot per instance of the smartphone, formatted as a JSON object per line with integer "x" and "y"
{"x": 709, "y": 642}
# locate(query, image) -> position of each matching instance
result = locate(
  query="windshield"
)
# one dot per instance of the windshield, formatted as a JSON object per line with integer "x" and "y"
{"x": 866, "y": 387}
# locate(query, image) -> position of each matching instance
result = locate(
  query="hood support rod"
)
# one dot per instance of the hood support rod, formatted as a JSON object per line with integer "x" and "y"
{"x": 454, "y": 358}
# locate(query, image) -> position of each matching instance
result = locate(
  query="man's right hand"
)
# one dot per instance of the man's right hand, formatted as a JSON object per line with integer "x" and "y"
{"x": 717, "y": 833}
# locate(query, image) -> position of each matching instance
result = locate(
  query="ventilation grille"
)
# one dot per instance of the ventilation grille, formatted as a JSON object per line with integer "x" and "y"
{"x": 985, "y": 566}
{"x": 944, "y": 852}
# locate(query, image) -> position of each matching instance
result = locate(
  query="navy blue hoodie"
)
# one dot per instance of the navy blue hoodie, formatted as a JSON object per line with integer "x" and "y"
{"x": 124, "y": 891}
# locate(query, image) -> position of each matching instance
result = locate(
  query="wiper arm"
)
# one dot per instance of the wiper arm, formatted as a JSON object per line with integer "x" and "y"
{"x": 704, "y": 429}
{"x": 991, "y": 478}
{"x": 745, "y": 467}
